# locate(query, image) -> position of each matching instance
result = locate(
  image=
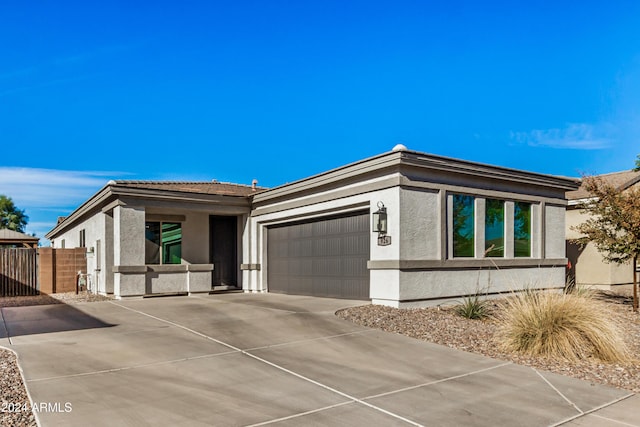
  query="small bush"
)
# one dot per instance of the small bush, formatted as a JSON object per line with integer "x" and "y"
{"x": 572, "y": 326}
{"x": 473, "y": 308}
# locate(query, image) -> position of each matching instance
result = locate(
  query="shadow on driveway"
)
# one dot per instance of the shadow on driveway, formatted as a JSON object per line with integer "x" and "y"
{"x": 41, "y": 319}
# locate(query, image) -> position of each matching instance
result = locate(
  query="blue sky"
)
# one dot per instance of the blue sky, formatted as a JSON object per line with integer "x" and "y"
{"x": 280, "y": 90}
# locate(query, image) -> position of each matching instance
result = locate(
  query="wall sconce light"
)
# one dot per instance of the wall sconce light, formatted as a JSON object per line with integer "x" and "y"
{"x": 380, "y": 220}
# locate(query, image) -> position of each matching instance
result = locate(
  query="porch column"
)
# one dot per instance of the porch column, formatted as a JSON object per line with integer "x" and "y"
{"x": 129, "y": 251}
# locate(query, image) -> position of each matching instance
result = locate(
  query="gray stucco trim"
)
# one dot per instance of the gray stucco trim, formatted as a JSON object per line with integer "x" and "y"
{"x": 407, "y": 182}
{"x": 200, "y": 267}
{"x": 393, "y": 181}
{"x": 113, "y": 195}
{"x": 383, "y": 161}
{"x": 130, "y": 269}
{"x": 93, "y": 203}
{"x": 165, "y": 218}
{"x": 418, "y": 160}
{"x": 319, "y": 213}
{"x": 456, "y": 264}
{"x": 166, "y": 268}
{"x": 164, "y": 195}
{"x": 404, "y": 182}
{"x": 449, "y": 298}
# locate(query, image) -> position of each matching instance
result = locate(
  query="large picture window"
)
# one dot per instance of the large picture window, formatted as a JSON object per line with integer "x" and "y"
{"x": 505, "y": 227}
{"x": 522, "y": 229}
{"x": 494, "y": 228}
{"x": 163, "y": 243}
{"x": 463, "y": 226}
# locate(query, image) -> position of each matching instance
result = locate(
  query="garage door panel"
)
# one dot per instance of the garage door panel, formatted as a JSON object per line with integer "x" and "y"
{"x": 326, "y": 257}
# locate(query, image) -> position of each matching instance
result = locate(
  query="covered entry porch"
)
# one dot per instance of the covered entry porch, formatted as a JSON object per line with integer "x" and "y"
{"x": 157, "y": 238}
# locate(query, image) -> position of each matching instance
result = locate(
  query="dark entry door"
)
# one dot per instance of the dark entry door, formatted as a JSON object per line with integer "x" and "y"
{"x": 224, "y": 250}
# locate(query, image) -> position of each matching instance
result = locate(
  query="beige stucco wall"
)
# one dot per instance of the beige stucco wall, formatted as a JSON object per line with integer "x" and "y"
{"x": 589, "y": 267}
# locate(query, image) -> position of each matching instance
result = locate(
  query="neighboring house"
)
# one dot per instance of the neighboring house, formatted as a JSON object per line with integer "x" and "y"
{"x": 15, "y": 239}
{"x": 451, "y": 228}
{"x": 587, "y": 265}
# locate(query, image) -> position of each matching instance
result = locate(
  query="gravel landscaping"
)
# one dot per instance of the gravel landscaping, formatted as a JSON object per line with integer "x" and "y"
{"x": 443, "y": 326}
{"x": 15, "y": 407}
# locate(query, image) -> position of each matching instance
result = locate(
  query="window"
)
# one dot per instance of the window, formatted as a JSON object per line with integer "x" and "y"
{"x": 62, "y": 244}
{"x": 82, "y": 239}
{"x": 522, "y": 229}
{"x": 494, "y": 228}
{"x": 463, "y": 226}
{"x": 503, "y": 228}
{"x": 163, "y": 243}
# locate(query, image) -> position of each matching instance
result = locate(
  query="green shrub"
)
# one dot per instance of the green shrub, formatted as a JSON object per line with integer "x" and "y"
{"x": 473, "y": 308}
{"x": 572, "y": 326}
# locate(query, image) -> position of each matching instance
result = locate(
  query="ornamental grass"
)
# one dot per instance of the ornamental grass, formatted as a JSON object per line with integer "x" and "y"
{"x": 567, "y": 325}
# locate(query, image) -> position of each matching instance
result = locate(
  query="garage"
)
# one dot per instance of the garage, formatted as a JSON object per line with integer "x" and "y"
{"x": 325, "y": 257}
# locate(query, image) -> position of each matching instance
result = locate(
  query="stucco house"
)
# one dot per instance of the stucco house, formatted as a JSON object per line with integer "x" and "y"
{"x": 403, "y": 229}
{"x": 587, "y": 265}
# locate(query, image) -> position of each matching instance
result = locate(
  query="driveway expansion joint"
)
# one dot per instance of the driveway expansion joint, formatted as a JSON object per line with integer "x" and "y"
{"x": 328, "y": 337}
{"x": 276, "y": 366}
{"x": 591, "y": 411}
{"x": 558, "y": 391}
{"x": 616, "y": 422}
{"x": 301, "y": 414}
{"x": 455, "y": 377}
{"x": 127, "y": 368}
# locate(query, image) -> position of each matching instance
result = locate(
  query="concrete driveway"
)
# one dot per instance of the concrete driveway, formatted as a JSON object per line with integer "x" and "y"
{"x": 267, "y": 359}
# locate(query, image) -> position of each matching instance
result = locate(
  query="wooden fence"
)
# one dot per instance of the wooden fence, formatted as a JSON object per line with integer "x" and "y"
{"x": 18, "y": 272}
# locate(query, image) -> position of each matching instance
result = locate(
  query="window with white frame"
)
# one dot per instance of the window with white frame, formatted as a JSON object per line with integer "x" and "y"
{"x": 505, "y": 227}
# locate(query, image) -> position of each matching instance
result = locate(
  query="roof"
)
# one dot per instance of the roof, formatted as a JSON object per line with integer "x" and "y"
{"x": 198, "y": 191}
{"x": 199, "y": 187}
{"x": 15, "y": 236}
{"x": 619, "y": 180}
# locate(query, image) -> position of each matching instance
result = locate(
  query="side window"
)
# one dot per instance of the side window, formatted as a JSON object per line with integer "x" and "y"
{"x": 522, "y": 229}
{"x": 82, "y": 239}
{"x": 463, "y": 226}
{"x": 494, "y": 228}
{"x": 171, "y": 243}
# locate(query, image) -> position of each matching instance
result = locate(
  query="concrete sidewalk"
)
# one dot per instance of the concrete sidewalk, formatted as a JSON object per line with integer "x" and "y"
{"x": 267, "y": 359}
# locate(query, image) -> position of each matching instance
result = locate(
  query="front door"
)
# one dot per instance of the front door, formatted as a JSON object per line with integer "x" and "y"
{"x": 224, "y": 250}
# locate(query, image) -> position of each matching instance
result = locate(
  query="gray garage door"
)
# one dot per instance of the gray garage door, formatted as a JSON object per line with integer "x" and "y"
{"x": 325, "y": 258}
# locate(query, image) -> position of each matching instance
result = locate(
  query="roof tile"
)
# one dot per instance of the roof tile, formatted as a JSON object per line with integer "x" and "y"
{"x": 621, "y": 180}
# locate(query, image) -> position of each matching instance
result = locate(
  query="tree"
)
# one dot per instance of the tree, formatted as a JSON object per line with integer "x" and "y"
{"x": 637, "y": 168}
{"x": 10, "y": 216}
{"x": 613, "y": 224}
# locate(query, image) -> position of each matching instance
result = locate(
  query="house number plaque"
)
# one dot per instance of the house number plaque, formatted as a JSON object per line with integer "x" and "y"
{"x": 384, "y": 240}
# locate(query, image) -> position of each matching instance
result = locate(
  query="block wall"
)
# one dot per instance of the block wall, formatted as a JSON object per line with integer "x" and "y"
{"x": 59, "y": 268}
